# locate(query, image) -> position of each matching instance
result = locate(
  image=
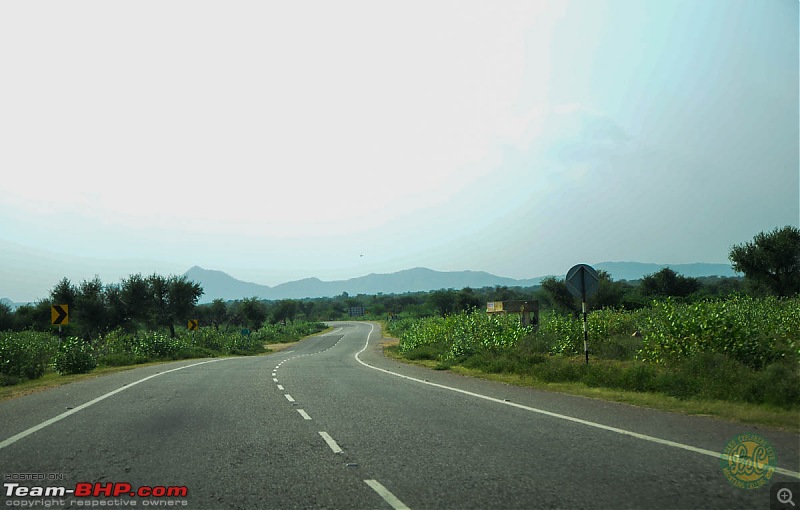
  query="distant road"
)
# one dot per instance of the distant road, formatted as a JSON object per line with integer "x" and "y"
{"x": 324, "y": 424}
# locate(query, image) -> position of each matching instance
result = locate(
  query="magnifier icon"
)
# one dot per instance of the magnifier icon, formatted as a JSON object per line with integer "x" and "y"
{"x": 785, "y": 496}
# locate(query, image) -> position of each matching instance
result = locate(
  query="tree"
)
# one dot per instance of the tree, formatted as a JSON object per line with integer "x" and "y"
{"x": 218, "y": 313}
{"x": 158, "y": 299}
{"x": 182, "y": 297}
{"x": 609, "y": 293}
{"x": 444, "y": 301}
{"x": 668, "y": 283}
{"x": 90, "y": 308}
{"x": 117, "y": 312}
{"x": 35, "y": 316}
{"x": 64, "y": 293}
{"x": 467, "y": 300}
{"x": 307, "y": 307}
{"x": 252, "y": 312}
{"x": 772, "y": 259}
{"x": 558, "y": 295}
{"x": 286, "y": 310}
{"x": 135, "y": 296}
{"x": 6, "y": 317}
{"x": 171, "y": 300}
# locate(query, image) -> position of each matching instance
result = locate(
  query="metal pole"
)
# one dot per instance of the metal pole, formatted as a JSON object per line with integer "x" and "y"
{"x": 583, "y": 302}
{"x": 585, "y": 334}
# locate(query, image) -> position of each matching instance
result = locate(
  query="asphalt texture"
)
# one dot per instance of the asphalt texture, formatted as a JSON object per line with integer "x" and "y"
{"x": 332, "y": 429}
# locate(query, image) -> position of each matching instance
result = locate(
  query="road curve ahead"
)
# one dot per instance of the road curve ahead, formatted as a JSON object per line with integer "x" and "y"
{"x": 332, "y": 423}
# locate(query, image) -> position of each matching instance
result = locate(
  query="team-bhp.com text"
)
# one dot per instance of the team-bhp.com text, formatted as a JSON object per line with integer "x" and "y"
{"x": 95, "y": 490}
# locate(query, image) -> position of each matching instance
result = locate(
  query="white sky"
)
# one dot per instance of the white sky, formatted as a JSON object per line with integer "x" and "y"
{"x": 282, "y": 140}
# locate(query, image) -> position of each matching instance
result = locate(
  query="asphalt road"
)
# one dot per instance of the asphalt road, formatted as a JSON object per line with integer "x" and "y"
{"x": 331, "y": 423}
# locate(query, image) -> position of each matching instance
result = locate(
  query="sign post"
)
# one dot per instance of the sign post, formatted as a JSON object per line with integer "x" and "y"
{"x": 582, "y": 281}
{"x": 59, "y": 316}
{"x": 192, "y": 326}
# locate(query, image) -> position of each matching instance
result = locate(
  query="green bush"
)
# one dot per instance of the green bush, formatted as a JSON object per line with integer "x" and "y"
{"x": 752, "y": 331}
{"x": 155, "y": 345}
{"x": 74, "y": 356}
{"x": 735, "y": 349}
{"x": 25, "y": 354}
{"x": 123, "y": 359}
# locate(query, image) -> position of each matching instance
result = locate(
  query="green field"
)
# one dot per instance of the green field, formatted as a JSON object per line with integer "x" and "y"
{"x": 737, "y": 357}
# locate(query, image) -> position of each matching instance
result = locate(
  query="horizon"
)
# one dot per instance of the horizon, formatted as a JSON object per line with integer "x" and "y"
{"x": 274, "y": 141}
{"x": 45, "y": 295}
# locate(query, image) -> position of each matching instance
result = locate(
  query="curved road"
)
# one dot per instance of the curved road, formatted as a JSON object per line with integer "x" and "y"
{"x": 331, "y": 423}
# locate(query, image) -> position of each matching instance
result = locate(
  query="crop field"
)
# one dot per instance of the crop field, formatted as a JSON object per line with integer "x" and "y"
{"x": 740, "y": 349}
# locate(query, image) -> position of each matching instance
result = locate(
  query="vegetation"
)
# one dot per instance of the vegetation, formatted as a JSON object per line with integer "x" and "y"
{"x": 719, "y": 339}
{"x": 771, "y": 260}
{"x": 28, "y": 354}
{"x": 728, "y": 339}
{"x": 740, "y": 349}
{"x": 134, "y": 322}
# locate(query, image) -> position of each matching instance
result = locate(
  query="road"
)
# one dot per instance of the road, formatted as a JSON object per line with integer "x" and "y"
{"x": 332, "y": 423}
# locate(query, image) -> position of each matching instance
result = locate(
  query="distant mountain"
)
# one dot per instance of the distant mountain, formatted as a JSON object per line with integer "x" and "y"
{"x": 218, "y": 284}
{"x": 8, "y": 303}
{"x": 636, "y": 270}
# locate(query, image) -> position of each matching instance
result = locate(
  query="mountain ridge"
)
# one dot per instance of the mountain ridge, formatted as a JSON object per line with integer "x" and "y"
{"x": 220, "y": 285}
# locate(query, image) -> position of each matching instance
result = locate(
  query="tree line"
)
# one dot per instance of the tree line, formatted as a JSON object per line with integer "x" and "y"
{"x": 770, "y": 263}
{"x": 137, "y": 302}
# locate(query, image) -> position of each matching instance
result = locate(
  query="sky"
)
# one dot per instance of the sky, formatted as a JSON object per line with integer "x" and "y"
{"x": 282, "y": 140}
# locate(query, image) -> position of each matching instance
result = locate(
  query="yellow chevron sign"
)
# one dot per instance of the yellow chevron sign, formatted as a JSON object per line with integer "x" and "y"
{"x": 59, "y": 315}
{"x": 193, "y": 324}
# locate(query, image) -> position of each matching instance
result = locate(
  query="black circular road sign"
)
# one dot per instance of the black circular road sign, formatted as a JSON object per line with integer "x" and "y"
{"x": 582, "y": 281}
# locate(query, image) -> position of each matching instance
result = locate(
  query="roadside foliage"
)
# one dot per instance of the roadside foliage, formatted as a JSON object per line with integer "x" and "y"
{"x": 29, "y": 354}
{"x": 738, "y": 348}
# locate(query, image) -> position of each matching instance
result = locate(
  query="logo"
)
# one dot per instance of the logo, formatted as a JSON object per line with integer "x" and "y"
{"x": 748, "y": 461}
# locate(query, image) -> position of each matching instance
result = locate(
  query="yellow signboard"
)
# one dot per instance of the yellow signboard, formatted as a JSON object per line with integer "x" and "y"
{"x": 494, "y": 306}
{"x": 59, "y": 315}
{"x": 193, "y": 324}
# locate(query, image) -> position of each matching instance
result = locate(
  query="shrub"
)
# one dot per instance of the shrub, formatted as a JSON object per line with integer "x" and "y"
{"x": 155, "y": 345}
{"x": 25, "y": 354}
{"x": 74, "y": 356}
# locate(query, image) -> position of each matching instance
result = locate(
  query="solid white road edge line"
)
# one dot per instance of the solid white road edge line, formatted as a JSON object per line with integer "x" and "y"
{"x": 304, "y": 414}
{"x": 13, "y": 439}
{"x": 703, "y": 451}
{"x": 331, "y": 443}
{"x": 386, "y": 495}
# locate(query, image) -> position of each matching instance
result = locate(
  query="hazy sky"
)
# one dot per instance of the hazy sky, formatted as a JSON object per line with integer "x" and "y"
{"x": 282, "y": 140}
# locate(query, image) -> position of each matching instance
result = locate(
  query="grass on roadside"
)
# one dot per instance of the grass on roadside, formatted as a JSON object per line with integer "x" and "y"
{"x": 623, "y": 381}
{"x": 52, "y": 379}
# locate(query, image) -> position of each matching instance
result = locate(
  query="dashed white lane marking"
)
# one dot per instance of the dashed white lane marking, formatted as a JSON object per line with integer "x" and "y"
{"x": 13, "y": 439}
{"x": 274, "y": 374}
{"x": 331, "y": 443}
{"x": 316, "y": 352}
{"x": 666, "y": 442}
{"x": 304, "y": 414}
{"x": 386, "y": 495}
{"x": 274, "y": 379}
{"x": 280, "y": 387}
{"x": 289, "y": 398}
